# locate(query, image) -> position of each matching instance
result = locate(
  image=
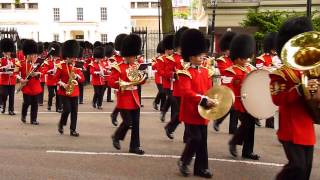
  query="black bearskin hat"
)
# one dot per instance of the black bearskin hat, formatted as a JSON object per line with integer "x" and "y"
{"x": 29, "y": 47}
{"x": 70, "y": 49}
{"x": 131, "y": 46}
{"x": 98, "y": 52}
{"x": 7, "y": 45}
{"x": 88, "y": 45}
{"x": 20, "y": 43}
{"x": 168, "y": 42}
{"x": 177, "y": 36}
{"x": 160, "y": 48}
{"x": 111, "y": 44}
{"x": 118, "y": 41}
{"x": 242, "y": 46}
{"x": 80, "y": 52}
{"x": 40, "y": 48}
{"x": 225, "y": 40}
{"x": 82, "y": 44}
{"x": 97, "y": 44}
{"x": 193, "y": 43}
{"x": 57, "y": 49}
{"x": 269, "y": 42}
{"x": 108, "y": 50}
{"x": 46, "y": 45}
{"x": 291, "y": 28}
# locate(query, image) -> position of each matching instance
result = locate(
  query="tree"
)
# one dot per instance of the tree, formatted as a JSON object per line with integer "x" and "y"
{"x": 270, "y": 21}
{"x": 167, "y": 16}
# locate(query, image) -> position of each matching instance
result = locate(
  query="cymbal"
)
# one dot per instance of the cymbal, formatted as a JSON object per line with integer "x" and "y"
{"x": 225, "y": 98}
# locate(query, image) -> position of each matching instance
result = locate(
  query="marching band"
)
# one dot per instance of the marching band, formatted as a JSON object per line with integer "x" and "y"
{"x": 184, "y": 73}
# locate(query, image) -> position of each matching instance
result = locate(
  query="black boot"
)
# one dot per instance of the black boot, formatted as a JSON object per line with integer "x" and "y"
{"x": 74, "y": 133}
{"x": 183, "y": 168}
{"x": 115, "y": 143}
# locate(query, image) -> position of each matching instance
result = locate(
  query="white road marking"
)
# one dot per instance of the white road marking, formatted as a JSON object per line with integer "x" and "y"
{"x": 162, "y": 156}
{"x": 91, "y": 112}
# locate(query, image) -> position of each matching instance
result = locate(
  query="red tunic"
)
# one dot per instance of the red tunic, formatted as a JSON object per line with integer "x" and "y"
{"x": 178, "y": 66}
{"x": 158, "y": 67}
{"x": 116, "y": 58}
{"x": 295, "y": 123}
{"x": 126, "y": 99}
{"x": 223, "y": 63}
{"x": 167, "y": 75}
{"x": 49, "y": 69}
{"x": 63, "y": 75}
{"x": 5, "y": 77}
{"x": 33, "y": 86}
{"x": 235, "y": 76}
{"x": 265, "y": 60}
{"x": 97, "y": 79}
{"x": 20, "y": 56}
{"x": 194, "y": 82}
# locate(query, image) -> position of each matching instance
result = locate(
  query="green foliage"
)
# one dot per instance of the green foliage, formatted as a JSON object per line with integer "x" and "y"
{"x": 181, "y": 15}
{"x": 17, "y": 1}
{"x": 270, "y": 21}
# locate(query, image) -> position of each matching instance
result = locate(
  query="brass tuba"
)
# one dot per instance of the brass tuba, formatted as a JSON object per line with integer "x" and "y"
{"x": 302, "y": 52}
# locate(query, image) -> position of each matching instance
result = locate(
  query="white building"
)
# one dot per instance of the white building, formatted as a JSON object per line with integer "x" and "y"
{"x": 60, "y": 20}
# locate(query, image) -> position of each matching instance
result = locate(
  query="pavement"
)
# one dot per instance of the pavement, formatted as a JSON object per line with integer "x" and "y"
{"x": 40, "y": 152}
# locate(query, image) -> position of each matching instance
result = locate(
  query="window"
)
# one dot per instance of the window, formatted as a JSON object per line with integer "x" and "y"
{"x": 56, "y": 37}
{"x": 56, "y": 14}
{"x": 104, "y": 38}
{"x": 33, "y": 5}
{"x": 20, "y": 6}
{"x": 5, "y": 5}
{"x": 133, "y": 5}
{"x": 103, "y": 14}
{"x": 142, "y": 4}
{"x": 80, "y": 14}
{"x": 154, "y": 4}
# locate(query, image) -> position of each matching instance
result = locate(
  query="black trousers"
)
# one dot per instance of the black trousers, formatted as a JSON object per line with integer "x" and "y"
{"x": 233, "y": 122}
{"x": 129, "y": 117}
{"x": 300, "y": 162}
{"x": 40, "y": 98}
{"x": 245, "y": 133}
{"x": 1, "y": 94}
{"x": 168, "y": 101}
{"x": 52, "y": 92}
{"x": 139, "y": 93}
{"x": 270, "y": 122}
{"x": 98, "y": 95}
{"x": 161, "y": 96}
{"x": 33, "y": 102}
{"x": 81, "y": 86}
{"x": 8, "y": 91}
{"x": 196, "y": 145}
{"x": 115, "y": 112}
{"x": 70, "y": 105}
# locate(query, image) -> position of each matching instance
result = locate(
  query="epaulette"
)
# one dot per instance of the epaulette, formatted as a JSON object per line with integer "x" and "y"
{"x": 221, "y": 58}
{"x": 230, "y": 69}
{"x": 170, "y": 58}
{"x": 46, "y": 62}
{"x": 58, "y": 65}
{"x": 90, "y": 64}
{"x": 261, "y": 58}
{"x": 160, "y": 58}
{"x": 278, "y": 72}
{"x": 17, "y": 63}
{"x": 251, "y": 67}
{"x": 184, "y": 72}
{"x": 186, "y": 65}
{"x": 116, "y": 67}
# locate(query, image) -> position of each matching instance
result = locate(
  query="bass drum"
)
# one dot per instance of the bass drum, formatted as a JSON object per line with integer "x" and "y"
{"x": 255, "y": 95}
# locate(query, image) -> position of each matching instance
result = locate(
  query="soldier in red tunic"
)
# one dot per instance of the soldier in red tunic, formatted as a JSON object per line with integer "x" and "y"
{"x": 158, "y": 67}
{"x": 127, "y": 96}
{"x": 171, "y": 70}
{"x": 194, "y": 81}
{"x": 8, "y": 74}
{"x": 42, "y": 78}
{"x": 265, "y": 61}
{"x": 224, "y": 62}
{"x": 109, "y": 49}
{"x": 167, "y": 78}
{"x": 296, "y": 130}
{"x": 49, "y": 69}
{"x": 97, "y": 72}
{"x": 68, "y": 78}
{"x": 32, "y": 89}
{"x": 242, "y": 48}
{"x": 116, "y": 58}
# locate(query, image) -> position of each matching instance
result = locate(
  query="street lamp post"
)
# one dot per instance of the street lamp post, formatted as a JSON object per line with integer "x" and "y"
{"x": 309, "y": 3}
{"x": 159, "y": 21}
{"x": 213, "y": 4}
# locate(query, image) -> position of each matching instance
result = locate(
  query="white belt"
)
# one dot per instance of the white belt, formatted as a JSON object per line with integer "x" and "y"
{"x": 131, "y": 88}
